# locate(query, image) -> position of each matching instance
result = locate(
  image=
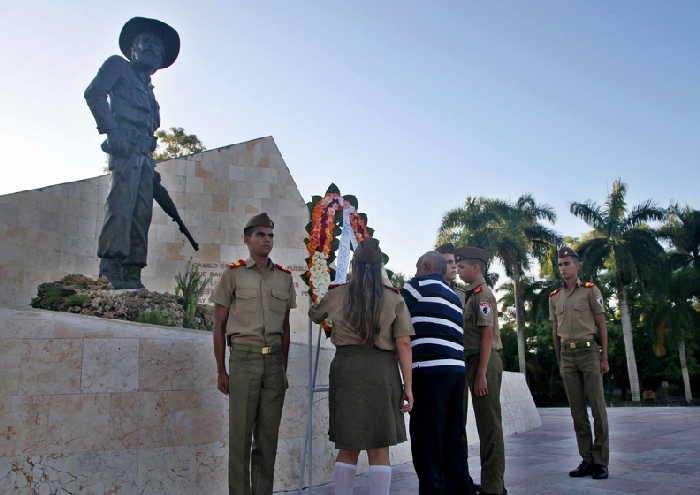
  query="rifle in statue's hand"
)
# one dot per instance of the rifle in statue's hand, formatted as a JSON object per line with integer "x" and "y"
{"x": 160, "y": 194}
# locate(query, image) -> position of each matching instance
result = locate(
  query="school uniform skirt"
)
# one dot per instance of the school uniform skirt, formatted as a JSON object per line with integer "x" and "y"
{"x": 364, "y": 399}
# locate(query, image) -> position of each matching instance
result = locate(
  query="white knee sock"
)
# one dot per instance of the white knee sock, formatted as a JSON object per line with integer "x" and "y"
{"x": 379, "y": 480}
{"x": 343, "y": 476}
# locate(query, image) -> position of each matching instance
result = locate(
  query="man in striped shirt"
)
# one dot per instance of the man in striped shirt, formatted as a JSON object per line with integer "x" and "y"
{"x": 437, "y": 419}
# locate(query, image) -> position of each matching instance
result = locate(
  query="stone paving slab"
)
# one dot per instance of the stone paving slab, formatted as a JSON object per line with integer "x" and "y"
{"x": 653, "y": 450}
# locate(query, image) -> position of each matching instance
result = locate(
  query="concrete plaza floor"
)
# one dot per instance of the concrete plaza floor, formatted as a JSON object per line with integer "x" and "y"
{"x": 652, "y": 450}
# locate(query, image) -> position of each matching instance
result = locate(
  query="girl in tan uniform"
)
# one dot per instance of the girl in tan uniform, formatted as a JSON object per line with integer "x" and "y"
{"x": 371, "y": 326}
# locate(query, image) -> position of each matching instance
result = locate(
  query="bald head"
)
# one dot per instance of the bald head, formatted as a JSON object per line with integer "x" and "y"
{"x": 431, "y": 263}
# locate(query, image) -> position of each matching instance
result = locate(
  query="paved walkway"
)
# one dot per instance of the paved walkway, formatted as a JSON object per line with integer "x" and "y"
{"x": 653, "y": 450}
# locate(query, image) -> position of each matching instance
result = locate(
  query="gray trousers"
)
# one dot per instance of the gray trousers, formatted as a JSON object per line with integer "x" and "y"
{"x": 128, "y": 210}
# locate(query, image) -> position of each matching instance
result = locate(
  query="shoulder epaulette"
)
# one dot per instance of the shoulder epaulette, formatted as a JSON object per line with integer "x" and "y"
{"x": 588, "y": 285}
{"x": 237, "y": 264}
{"x": 391, "y": 287}
{"x": 334, "y": 286}
{"x": 477, "y": 289}
{"x": 554, "y": 292}
{"x": 283, "y": 268}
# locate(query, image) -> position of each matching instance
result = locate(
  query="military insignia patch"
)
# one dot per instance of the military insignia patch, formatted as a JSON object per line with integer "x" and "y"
{"x": 237, "y": 264}
{"x": 599, "y": 300}
{"x": 485, "y": 308}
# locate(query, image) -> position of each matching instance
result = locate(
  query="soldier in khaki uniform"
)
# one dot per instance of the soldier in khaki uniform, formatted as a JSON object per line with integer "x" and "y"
{"x": 578, "y": 317}
{"x": 482, "y": 353}
{"x": 252, "y": 303}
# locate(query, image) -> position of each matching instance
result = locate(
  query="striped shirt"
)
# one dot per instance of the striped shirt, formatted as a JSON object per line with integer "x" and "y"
{"x": 436, "y": 315}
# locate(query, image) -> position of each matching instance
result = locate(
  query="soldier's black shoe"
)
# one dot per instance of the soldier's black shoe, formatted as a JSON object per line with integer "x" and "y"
{"x": 600, "y": 472}
{"x": 505, "y": 492}
{"x": 583, "y": 469}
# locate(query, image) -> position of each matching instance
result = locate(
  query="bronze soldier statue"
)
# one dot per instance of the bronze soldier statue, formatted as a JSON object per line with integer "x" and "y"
{"x": 121, "y": 100}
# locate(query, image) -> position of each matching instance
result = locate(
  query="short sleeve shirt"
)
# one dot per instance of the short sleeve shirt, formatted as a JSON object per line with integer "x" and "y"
{"x": 258, "y": 302}
{"x": 572, "y": 312}
{"x": 480, "y": 311}
{"x": 394, "y": 318}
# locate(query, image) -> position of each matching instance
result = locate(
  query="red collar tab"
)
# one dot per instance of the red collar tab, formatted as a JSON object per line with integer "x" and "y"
{"x": 588, "y": 285}
{"x": 391, "y": 287}
{"x": 554, "y": 292}
{"x": 237, "y": 264}
{"x": 283, "y": 268}
{"x": 334, "y": 286}
{"x": 478, "y": 289}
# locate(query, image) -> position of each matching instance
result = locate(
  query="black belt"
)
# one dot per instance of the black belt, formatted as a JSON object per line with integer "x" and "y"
{"x": 580, "y": 344}
{"x": 257, "y": 349}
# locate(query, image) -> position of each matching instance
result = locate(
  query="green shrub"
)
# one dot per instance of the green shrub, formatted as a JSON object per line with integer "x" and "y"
{"x": 190, "y": 287}
{"x": 76, "y": 300}
{"x": 154, "y": 318}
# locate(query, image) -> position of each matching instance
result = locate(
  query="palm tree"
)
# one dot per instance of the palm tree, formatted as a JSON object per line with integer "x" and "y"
{"x": 624, "y": 245}
{"x": 512, "y": 232}
{"x": 682, "y": 229}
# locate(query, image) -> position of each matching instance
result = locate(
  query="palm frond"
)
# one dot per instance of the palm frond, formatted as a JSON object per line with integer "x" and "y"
{"x": 590, "y": 213}
{"x": 643, "y": 213}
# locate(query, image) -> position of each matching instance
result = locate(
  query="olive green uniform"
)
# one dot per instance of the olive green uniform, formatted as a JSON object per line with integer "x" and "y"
{"x": 572, "y": 313}
{"x": 258, "y": 301}
{"x": 479, "y": 313}
{"x": 365, "y": 408}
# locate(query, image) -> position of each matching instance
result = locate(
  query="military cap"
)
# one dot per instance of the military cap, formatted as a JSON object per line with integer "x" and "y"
{"x": 139, "y": 25}
{"x": 472, "y": 253}
{"x": 368, "y": 252}
{"x": 447, "y": 248}
{"x": 261, "y": 220}
{"x": 567, "y": 251}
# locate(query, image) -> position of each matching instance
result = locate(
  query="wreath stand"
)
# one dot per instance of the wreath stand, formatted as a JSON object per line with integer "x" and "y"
{"x": 307, "y": 458}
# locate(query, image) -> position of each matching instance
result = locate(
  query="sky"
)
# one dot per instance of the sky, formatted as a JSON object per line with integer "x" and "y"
{"x": 410, "y": 106}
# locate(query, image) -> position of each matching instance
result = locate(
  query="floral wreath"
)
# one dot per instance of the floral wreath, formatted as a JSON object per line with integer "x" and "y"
{"x": 335, "y": 225}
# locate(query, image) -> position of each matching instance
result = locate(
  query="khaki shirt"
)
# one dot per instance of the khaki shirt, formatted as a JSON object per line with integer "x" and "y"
{"x": 394, "y": 318}
{"x": 257, "y": 302}
{"x": 480, "y": 311}
{"x": 572, "y": 311}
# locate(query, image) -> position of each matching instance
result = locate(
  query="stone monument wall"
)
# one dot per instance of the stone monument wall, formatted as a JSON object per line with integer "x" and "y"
{"x": 89, "y": 405}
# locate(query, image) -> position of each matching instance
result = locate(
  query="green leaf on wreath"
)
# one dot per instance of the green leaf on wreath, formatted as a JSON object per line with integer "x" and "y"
{"x": 351, "y": 199}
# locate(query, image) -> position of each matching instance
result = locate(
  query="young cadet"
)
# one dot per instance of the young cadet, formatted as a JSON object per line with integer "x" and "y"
{"x": 371, "y": 328}
{"x": 252, "y": 303}
{"x": 578, "y": 317}
{"x": 438, "y": 444}
{"x": 448, "y": 253}
{"x": 482, "y": 352}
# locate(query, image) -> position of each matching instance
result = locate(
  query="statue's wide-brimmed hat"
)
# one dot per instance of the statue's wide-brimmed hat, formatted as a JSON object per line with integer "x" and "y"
{"x": 138, "y": 25}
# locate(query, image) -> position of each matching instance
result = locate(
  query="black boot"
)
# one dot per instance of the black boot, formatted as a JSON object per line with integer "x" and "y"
{"x": 132, "y": 277}
{"x": 600, "y": 472}
{"x": 583, "y": 469}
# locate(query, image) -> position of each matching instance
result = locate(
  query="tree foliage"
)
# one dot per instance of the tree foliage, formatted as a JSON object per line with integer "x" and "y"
{"x": 176, "y": 143}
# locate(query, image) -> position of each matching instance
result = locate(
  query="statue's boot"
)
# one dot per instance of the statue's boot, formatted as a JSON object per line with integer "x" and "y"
{"x": 113, "y": 270}
{"x": 132, "y": 277}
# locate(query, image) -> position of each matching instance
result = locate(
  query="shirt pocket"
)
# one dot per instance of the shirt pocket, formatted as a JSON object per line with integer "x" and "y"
{"x": 246, "y": 306}
{"x": 581, "y": 306}
{"x": 279, "y": 302}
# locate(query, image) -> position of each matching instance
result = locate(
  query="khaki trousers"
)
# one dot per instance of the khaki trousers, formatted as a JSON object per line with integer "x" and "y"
{"x": 487, "y": 412}
{"x": 580, "y": 371}
{"x": 257, "y": 384}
